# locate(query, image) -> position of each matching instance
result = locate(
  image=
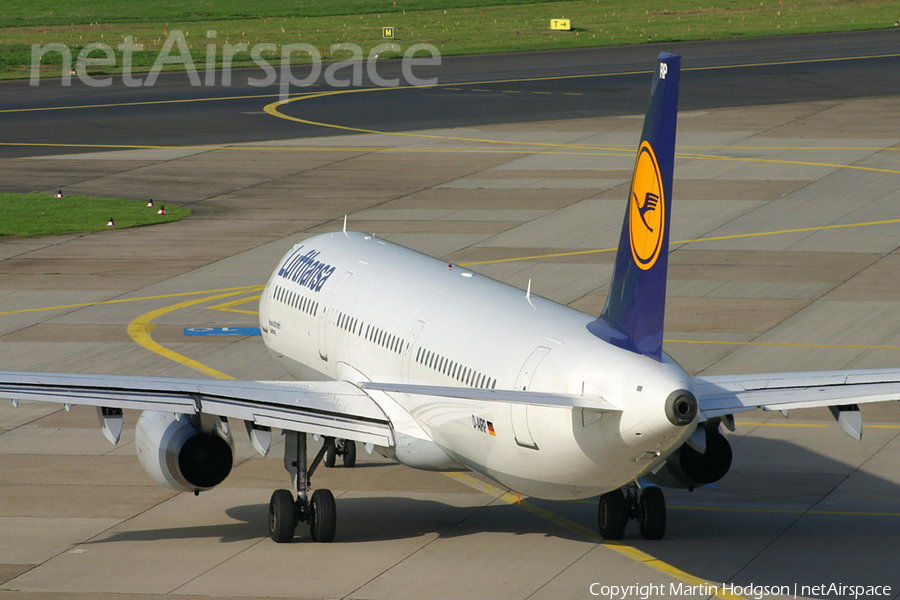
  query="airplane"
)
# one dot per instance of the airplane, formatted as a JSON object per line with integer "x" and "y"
{"x": 442, "y": 368}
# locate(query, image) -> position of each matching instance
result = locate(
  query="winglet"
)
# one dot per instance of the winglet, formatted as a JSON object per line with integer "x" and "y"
{"x": 635, "y": 307}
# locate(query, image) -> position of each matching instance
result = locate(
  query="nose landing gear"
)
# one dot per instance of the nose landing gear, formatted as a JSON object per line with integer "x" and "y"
{"x": 647, "y": 507}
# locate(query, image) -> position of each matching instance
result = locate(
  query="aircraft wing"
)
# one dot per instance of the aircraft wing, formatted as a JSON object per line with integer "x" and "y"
{"x": 841, "y": 391}
{"x": 329, "y": 408}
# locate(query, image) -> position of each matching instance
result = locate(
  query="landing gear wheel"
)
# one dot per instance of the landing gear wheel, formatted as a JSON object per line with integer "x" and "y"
{"x": 322, "y": 516}
{"x": 652, "y": 519}
{"x": 330, "y": 454}
{"x": 282, "y": 516}
{"x": 612, "y": 515}
{"x": 349, "y": 454}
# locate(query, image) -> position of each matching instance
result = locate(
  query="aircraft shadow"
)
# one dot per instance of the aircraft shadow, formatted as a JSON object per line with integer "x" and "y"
{"x": 361, "y": 519}
{"x": 783, "y": 515}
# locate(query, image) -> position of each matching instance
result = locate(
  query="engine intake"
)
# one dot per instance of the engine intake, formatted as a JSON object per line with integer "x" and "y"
{"x": 688, "y": 468}
{"x": 180, "y": 457}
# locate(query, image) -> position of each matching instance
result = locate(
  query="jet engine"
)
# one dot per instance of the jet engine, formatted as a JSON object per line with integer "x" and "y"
{"x": 181, "y": 457}
{"x": 688, "y": 467}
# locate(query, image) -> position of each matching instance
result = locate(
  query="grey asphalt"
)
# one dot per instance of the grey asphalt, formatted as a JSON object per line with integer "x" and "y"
{"x": 566, "y": 84}
{"x": 801, "y": 196}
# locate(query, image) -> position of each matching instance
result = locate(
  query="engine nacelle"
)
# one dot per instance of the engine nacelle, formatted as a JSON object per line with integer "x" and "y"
{"x": 688, "y": 468}
{"x": 179, "y": 456}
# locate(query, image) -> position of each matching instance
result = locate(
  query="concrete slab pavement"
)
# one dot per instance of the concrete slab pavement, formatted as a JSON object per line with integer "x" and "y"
{"x": 79, "y": 519}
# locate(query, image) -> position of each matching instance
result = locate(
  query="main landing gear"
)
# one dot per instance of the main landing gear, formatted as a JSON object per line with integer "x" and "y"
{"x": 618, "y": 506}
{"x": 319, "y": 511}
{"x": 346, "y": 449}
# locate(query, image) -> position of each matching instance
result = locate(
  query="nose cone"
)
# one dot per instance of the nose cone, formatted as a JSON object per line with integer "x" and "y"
{"x": 681, "y": 408}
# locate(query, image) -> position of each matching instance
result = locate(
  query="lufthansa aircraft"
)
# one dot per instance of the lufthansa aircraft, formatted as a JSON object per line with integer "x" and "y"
{"x": 442, "y": 368}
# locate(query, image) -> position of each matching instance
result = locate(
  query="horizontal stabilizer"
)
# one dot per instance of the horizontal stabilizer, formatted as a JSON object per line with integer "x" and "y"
{"x": 722, "y": 395}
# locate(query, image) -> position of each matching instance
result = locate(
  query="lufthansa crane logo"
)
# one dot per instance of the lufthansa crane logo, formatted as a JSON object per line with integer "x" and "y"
{"x": 647, "y": 209}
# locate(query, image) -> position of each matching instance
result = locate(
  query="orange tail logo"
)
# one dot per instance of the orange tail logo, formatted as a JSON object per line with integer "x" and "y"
{"x": 647, "y": 211}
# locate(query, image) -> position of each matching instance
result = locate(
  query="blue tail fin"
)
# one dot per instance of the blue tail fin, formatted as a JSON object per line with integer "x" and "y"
{"x": 635, "y": 307}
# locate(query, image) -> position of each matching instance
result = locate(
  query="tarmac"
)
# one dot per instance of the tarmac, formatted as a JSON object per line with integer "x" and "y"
{"x": 800, "y": 215}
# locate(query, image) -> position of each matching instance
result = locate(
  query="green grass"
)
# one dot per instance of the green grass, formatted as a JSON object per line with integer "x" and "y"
{"x": 32, "y": 215}
{"x": 43, "y": 13}
{"x": 453, "y": 26}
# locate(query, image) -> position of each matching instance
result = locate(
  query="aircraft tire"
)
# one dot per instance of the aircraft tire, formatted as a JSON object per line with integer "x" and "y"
{"x": 322, "y": 516}
{"x": 349, "y": 454}
{"x": 612, "y": 515}
{"x": 653, "y": 514}
{"x": 330, "y": 455}
{"x": 282, "y": 516}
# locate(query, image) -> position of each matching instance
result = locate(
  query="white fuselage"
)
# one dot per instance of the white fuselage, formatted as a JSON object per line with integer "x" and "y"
{"x": 355, "y": 307}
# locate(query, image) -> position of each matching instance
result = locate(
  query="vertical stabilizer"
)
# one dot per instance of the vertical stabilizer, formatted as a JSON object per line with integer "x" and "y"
{"x": 635, "y": 308}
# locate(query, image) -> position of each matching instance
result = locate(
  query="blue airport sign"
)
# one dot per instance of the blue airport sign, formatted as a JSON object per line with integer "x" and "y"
{"x": 229, "y": 331}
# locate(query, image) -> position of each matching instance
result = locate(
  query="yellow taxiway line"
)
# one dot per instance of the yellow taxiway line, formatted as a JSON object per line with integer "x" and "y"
{"x": 121, "y": 300}
{"x": 590, "y": 535}
{"x": 229, "y": 306}
{"x": 140, "y": 328}
{"x": 683, "y": 242}
{"x": 457, "y": 86}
